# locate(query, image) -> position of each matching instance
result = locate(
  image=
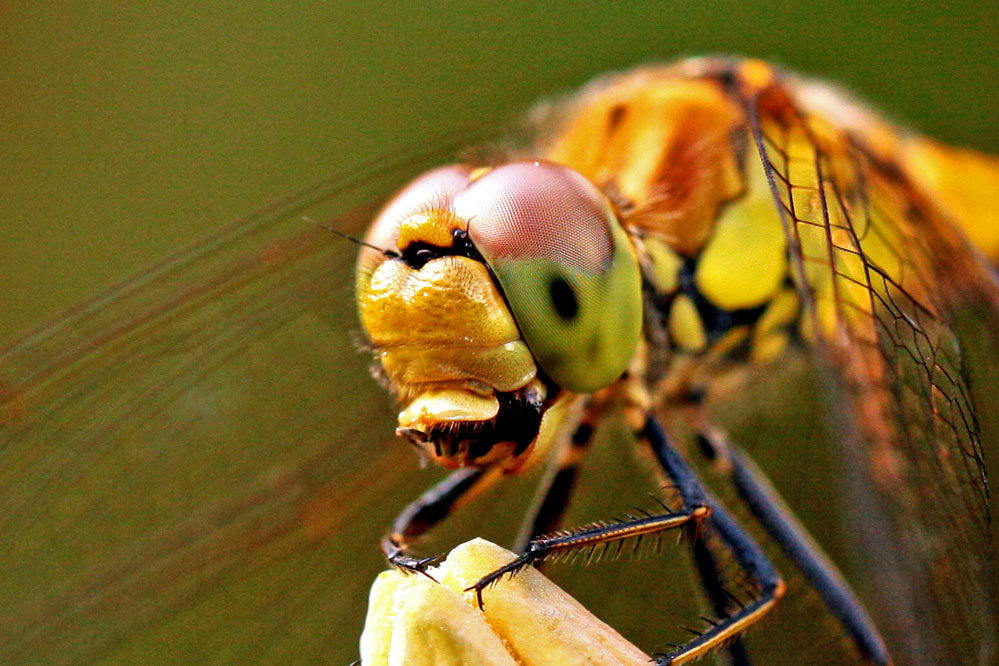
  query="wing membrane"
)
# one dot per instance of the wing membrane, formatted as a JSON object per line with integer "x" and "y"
{"x": 186, "y": 462}
{"x": 881, "y": 275}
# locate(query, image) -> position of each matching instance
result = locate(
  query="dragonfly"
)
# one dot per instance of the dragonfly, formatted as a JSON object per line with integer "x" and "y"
{"x": 195, "y": 463}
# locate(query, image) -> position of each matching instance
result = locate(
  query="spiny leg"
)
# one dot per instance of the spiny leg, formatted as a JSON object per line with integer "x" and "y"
{"x": 747, "y": 553}
{"x": 766, "y": 504}
{"x": 694, "y": 509}
{"x": 697, "y": 506}
{"x": 720, "y": 599}
{"x": 430, "y": 508}
{"x": 550, "y": 511}
{"x": 591, "y": 536}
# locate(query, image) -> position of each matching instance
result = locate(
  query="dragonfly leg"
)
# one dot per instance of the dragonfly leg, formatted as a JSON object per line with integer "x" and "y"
{"x": 746, "y": 552}
{"x": 694, "y": 510}
{"x": 721, "y": 601}
{"x": 591, "y": 536}
{"x": 549, "y": 512}
{"x": 556, "y": 489}
{"x": 769, "y": 508}
{"x": 430, "y": 508}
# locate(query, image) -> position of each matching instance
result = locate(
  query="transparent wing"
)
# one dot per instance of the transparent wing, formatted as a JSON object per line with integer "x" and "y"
{"x": 884, "y": 277}
{"x": 196, "y": 466}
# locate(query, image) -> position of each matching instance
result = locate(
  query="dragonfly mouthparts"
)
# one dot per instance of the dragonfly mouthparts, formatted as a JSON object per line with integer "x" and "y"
{"x": 478, "y": 443}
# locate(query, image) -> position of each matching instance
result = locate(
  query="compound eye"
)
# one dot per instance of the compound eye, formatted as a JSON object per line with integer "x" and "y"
{"x": 565, "y": 265}
{"x": 434, "y": 190}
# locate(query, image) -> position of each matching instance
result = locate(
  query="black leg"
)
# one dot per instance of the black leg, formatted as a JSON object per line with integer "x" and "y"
{"x": 593, "y": 536}
{"x": 695, "y": 509}
{"x": 697, "y": 506}
{"x": 721, "y": 601}
{"x": 550, "y": 512}
{"x": 765, "y": 503}
{"x": 749, "y": 555}
{"x": 429, "y": 509}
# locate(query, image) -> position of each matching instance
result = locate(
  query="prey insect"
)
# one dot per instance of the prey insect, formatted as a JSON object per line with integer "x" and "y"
{"x": 670, "y": 230}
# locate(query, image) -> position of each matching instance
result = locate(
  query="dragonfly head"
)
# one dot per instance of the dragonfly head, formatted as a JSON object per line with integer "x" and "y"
{"x": 494, "y": 290}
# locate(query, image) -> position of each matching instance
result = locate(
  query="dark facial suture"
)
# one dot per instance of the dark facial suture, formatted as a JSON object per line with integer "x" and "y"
{"x": 416, "y": 255}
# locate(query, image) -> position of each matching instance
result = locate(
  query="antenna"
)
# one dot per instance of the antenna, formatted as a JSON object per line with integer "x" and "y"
{"x": 353, "y": 239}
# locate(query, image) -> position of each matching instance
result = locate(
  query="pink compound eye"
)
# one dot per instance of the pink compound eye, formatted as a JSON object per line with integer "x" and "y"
{"x": 565, "y": 265}
{"x": 552, "y": 240}
{"x": 538, "y": 210}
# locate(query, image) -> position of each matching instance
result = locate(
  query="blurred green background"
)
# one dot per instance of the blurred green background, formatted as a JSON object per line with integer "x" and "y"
{"x": 210, "y": 488}
{"x": 128, "y": 130}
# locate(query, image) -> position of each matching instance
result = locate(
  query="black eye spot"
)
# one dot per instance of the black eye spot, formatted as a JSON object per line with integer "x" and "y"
{"x": 563, "y": 298}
